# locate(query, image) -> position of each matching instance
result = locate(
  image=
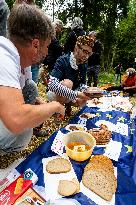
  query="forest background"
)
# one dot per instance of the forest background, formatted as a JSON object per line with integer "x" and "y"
{"x": 114, "y": 20}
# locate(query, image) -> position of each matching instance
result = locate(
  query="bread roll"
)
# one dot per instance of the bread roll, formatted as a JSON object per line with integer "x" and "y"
{"x": 58, "y": 165}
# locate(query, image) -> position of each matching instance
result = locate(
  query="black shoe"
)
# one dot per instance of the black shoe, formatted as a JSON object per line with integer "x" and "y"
{"x": 68, "y": 110}
{"x": 40, "y": 133}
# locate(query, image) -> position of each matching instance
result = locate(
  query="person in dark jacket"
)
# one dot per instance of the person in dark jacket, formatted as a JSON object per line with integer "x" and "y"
{"x": 76, "y": 31}
{"x": 118, "y": 70}
{"x": 4, "y": 12}
{"x": 55, "y": 49}
{"x": 94, "y": 61}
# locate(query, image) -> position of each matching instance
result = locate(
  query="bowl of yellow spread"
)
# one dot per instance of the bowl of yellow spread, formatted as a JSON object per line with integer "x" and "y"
{"x": 79, "y": 145}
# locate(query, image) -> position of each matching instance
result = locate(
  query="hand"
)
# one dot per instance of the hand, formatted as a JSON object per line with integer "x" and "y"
{"x": 60, "y": 109}
{"x": 80, "y": 102}
{"x": 82, "y": 96}
{"x": 126, "y": 88}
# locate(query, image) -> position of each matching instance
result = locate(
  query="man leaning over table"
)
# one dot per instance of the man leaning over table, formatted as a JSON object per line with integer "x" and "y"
{"x": 30, "y": 33}
{"x": 68, "y": 78}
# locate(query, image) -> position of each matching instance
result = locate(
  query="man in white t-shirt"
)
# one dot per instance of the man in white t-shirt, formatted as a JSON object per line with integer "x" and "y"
{"x": 30, "y": 33}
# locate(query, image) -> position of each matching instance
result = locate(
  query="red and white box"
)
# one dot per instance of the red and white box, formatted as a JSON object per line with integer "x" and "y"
{"x": 11, "y": 193}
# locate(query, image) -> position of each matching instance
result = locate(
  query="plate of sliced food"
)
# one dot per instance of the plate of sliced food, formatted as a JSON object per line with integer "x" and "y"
{"x": 75, "y": 127}
{"x": 102, "y": 134}
{"x": 87, "y": 115}
{"x": 93, "y": 92}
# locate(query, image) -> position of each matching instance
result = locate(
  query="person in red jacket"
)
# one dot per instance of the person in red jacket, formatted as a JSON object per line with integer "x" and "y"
{"x": 128, "y": 84}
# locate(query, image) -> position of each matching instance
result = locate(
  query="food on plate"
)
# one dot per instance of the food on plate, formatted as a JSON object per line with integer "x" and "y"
{"x": 96, "y": 101}
{"x": 78, "y": 146}
{"x": 68, "y": 188}
{"x": 87, "y": 115}
{"x": 102, "y": 135}
{"x": 101, "y": 159}
{"x": 58, "y": 165}
{"x": 75, "y": 127}
{"x": 77, "y": 184}
{"x": 93, "y": 92}
{"x": 99, "y": 177}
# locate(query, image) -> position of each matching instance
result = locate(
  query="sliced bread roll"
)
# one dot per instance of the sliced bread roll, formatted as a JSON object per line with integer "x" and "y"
{"x": 67, "y": 188}
{"x": 101, "y": 159}
{"x": 77, "y": 184}
{"x": 97, "y": 181}
{"x": 58, "y": 165}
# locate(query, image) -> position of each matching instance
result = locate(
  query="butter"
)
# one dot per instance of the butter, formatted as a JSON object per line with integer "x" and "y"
{"x": 79, "y": 148}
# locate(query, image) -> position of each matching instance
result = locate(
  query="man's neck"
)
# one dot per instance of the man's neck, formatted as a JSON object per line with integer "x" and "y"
{"x": 24, "y": 55}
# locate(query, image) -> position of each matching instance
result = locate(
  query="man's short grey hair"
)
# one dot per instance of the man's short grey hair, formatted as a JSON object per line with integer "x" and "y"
{"x": 92, "y": 33}
{"x": 27, "y": 22}
{"x": 77, "y": 23}
{"x": 58, "y": 23}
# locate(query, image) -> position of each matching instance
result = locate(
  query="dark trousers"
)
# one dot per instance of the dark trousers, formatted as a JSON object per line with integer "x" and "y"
{"x": 92, "y": 75}
{"x": 120, "y": 88}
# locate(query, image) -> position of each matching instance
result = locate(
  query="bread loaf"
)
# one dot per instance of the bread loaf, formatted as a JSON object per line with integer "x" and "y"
{"x": 97, "y": 181}
{"x": 104, "y": 160}
{"x": 99, "y": 177}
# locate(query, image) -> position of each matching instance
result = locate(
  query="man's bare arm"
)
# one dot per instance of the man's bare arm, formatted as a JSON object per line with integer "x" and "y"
{"x": 17, "y": 116}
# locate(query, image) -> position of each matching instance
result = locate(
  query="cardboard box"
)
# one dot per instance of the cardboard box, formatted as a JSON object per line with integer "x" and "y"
{"x": 30, "y": 197}
{"x": 11, "y": 193}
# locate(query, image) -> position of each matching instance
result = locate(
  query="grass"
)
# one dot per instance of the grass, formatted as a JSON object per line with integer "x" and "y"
{"x": 107, "y": 78}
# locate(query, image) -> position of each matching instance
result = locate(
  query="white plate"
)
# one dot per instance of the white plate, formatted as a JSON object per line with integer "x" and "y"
{"x": 78, "y": 126}
{"x": 64, "y": 201}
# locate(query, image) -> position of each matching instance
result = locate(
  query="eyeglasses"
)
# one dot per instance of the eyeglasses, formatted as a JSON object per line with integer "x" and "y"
{"x": 85, "y": 51}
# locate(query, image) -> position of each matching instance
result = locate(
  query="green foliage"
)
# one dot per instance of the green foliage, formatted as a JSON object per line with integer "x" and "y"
{"x": 115, "y": 25}
{"x": 126, "y": 47}
{"x": 10, "y": 3}
{"x": 106, "y": 77}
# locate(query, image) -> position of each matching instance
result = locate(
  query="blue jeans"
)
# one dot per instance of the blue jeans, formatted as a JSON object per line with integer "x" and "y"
{"x": 92, "y": 74}
{"x": 35, "y": 72}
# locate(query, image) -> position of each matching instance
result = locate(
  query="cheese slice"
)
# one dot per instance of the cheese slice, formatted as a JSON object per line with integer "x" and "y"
{"x": 79, "y": 148}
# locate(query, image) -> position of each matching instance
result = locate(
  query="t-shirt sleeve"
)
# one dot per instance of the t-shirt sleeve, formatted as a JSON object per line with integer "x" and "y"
{"x": 9, "y": 72}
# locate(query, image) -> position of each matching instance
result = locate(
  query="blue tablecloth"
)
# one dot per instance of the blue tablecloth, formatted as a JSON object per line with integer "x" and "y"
{"x": 126, "y": 164}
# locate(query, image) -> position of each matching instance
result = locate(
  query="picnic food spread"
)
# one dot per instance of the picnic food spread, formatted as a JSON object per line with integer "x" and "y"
{"x": 102, "y": 135}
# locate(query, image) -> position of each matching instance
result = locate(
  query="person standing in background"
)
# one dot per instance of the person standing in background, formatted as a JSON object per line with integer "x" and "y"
{"x": 94, "y": 61}
{"x": 4, "y": 12}
{"x": 54, "y": 50}
{"x": 118, "y": 70}
{"x": 76, "y": 31}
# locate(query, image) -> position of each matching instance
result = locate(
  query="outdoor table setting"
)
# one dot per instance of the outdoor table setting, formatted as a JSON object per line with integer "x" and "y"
{"x": 111, "y": 114}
